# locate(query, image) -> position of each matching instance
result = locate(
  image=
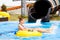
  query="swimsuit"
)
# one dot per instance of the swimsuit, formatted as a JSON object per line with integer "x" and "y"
{"x": 21, "y": 26}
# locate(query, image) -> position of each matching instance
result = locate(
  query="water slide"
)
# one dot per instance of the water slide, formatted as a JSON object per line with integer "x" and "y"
{"x": 42, "y": 10}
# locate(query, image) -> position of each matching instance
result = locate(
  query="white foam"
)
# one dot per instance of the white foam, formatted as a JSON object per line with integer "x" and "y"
{"x": 38, "y": 22}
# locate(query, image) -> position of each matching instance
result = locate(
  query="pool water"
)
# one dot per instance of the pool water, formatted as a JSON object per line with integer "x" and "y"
{"x": 9, "y": 28}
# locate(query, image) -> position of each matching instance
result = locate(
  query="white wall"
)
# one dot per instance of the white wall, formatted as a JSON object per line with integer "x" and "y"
{"x": 10, "y": 3}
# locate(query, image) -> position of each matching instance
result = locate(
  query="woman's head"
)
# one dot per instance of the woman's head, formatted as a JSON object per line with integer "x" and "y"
{"x": 21, "y": 20}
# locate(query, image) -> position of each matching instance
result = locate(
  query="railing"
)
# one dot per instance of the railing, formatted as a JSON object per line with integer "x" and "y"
{"x": 16, "y": 7}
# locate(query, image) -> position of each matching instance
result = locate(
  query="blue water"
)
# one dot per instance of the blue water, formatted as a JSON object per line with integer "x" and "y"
{"x": 8, "y": 29}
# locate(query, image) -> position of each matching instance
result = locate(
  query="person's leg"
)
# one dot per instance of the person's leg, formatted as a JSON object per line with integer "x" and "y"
{"x": 41, "y": 30}
{"x": 45, "y": 30}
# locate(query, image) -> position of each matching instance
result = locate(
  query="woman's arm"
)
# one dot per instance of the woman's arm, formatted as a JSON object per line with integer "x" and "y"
{"x": 23, "y": 28}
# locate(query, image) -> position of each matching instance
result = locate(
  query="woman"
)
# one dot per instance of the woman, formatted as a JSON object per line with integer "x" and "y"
{"x": 21, "y": 27}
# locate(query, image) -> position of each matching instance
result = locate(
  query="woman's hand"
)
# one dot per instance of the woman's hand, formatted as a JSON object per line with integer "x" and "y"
{"x": 29, "y": 29}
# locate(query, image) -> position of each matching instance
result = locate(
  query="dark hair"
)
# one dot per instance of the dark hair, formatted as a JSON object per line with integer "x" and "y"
{"x": 21, "y": 19}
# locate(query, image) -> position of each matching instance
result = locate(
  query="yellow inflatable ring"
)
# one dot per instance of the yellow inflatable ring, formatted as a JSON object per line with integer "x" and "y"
{"x": 4, "y": 14}
{"x": 28, "y": 33}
